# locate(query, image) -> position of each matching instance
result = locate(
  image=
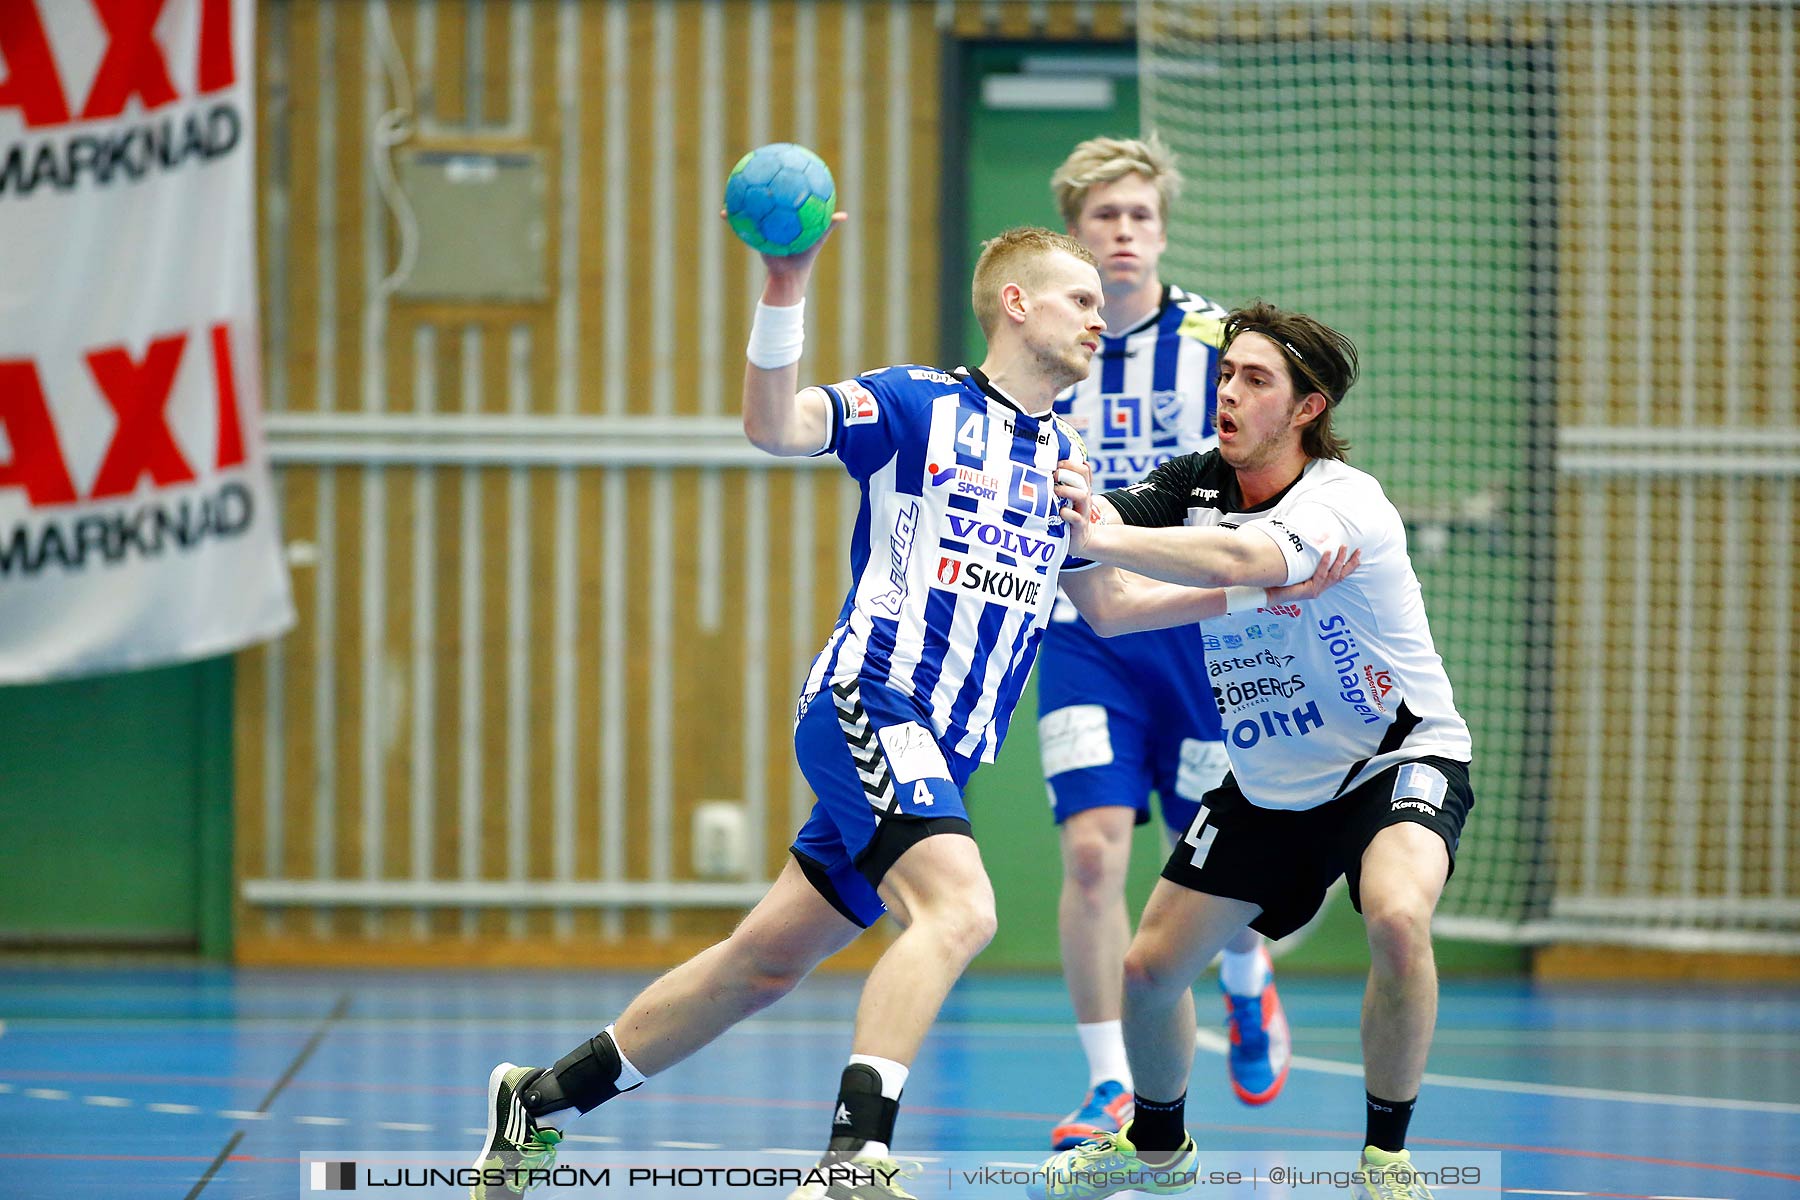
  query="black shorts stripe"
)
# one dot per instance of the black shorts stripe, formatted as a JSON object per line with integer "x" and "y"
{"x": 820, "y": 878}
{"x": 1405, "y": 721}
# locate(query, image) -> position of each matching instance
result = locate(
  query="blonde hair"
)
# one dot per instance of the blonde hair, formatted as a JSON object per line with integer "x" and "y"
{"x": 1016, "y": 256}
{"x": 1105, "y": 160}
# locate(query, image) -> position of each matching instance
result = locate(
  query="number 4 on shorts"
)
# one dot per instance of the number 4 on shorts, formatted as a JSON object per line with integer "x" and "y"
{"x": 1200, "y": 836}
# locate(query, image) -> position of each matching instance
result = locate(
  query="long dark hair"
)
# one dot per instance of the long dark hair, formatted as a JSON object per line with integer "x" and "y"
{"x": 1319, "y": 359}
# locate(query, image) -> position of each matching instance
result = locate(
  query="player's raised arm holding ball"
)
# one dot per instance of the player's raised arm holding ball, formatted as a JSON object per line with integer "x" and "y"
{"x": 777, "y": 418}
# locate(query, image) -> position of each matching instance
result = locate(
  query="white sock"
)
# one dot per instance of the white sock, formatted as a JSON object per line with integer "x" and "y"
{"x": 1243, "y": 974}
{"x": 893, "y": 1078}
{"x": 1104, "y": 1044}
{"x": 629, "y": 1076}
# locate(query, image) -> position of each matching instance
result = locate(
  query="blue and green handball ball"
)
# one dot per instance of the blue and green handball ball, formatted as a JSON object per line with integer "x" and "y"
{"x": 780, "y": 198}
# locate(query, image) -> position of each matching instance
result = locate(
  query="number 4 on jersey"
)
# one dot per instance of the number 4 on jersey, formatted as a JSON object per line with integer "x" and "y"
{"x": 922, "y": 795}
{"x": 972, "y": 437}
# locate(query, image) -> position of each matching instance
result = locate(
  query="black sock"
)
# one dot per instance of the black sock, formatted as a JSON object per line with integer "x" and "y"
{"x": 1159, "y": 1127}
{"x": 862, "y": 1114}
{"x": 1387, "y": 1124}
{"x": 584, "y": 1078}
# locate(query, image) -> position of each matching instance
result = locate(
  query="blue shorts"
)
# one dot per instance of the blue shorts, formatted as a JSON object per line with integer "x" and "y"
{"x": 883, "y": 782}
{"x": 1121, "y": 717}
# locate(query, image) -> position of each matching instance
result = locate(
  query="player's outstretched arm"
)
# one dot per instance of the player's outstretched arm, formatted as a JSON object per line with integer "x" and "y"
{"x": 779, "y": 417}
{"x": 1205, "y": 558}
{"x": 1115, "y": 601}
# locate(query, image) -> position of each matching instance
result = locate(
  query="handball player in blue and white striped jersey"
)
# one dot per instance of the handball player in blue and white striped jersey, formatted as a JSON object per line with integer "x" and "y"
{"x": 1119, "y": 718}
{"x": 954, "y": 564}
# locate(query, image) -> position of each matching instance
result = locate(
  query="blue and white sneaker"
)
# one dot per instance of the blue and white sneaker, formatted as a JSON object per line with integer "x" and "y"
{"x": 1261, "y": 1046}
{"x": 1106, "y": 1110}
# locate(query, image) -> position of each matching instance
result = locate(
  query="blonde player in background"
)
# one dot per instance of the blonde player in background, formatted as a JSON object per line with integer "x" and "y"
{"x": 1119, "y": 718}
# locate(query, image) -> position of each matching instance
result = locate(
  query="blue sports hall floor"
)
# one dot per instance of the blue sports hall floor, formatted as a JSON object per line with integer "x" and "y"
{"x": 182, "y": 1083}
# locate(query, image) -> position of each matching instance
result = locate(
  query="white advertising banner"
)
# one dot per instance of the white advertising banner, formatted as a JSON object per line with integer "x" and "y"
{"x": 137, "y": 518}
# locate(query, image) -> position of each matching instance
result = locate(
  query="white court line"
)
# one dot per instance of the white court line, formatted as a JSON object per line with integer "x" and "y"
{"x": 1503, "y": 1038}
{"x": 602, "y": 1139}
{"x": 46, "y": 1094}
{"x": 323, "y": 1121}
{"x": 688, "y": 1145}
{"x": 1216, "y": 1043}
{"x": 181, "y": 1109}
{"x": 244, "y": 1114}
{"x": 5, "y": 1088}
{"x": 107, "y": 1101}
{"x": 405, "y": 1126}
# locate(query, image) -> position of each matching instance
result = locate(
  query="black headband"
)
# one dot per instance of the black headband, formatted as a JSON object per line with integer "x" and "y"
{"x": 1293, "y": 353}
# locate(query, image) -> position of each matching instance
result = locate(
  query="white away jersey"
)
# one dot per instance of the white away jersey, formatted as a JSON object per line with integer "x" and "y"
{"x": 956, "y": 550}
{"x": 1315, "y": 697}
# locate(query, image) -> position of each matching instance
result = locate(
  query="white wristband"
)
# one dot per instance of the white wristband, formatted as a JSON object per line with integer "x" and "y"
{"x": 776, "y": 335}
{"x": 1245, "y": 599}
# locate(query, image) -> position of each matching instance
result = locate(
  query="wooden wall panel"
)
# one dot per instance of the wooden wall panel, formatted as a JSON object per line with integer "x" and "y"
{"x": 502, "y": 671}
{"x": 1675, "y": 694}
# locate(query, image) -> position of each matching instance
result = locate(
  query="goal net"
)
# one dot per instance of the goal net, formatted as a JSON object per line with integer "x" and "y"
{"x": 1562, "y": 237}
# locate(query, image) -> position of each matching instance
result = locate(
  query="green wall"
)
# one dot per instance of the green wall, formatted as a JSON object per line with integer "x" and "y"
{"x": 115, "y": 796}
{"x": 1006, "y": 159}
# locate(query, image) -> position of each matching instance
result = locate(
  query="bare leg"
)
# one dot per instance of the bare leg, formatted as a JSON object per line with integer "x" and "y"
{"x": 1091, "y": 916}
{"x": 1403, "y": 874}
{"x": 789, "y": 932}
{"x": 944, "y": 890}
{"x": 1179, "y": 933}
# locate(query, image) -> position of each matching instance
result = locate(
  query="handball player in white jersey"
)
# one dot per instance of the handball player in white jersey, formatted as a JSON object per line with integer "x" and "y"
{"x": 1119, "y": 718}
{"x": 1348, "y": 757}
{"x": 955, "y": 557}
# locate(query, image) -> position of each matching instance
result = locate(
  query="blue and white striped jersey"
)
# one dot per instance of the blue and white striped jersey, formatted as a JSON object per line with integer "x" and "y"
{"x": 956, "y": 551}
{"x": 1149, "y": 398}
{"x": 1151, "y": 392}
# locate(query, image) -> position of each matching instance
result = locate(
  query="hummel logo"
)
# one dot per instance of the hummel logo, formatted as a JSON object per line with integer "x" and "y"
{"x": 842, "y": 1116}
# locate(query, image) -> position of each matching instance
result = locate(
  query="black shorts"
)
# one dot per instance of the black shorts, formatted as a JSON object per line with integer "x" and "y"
{"x": 1285, "y": 859}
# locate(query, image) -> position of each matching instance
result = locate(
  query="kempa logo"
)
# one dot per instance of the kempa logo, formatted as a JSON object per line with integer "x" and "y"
{"x": 842, "y": 1116}
{"x": 333, "y": 1177}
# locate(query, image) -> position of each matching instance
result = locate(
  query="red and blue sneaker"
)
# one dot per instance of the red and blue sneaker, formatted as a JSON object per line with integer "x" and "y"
{"x": 1106, "y": 1110}
{"x": 1261, "y": 1047}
